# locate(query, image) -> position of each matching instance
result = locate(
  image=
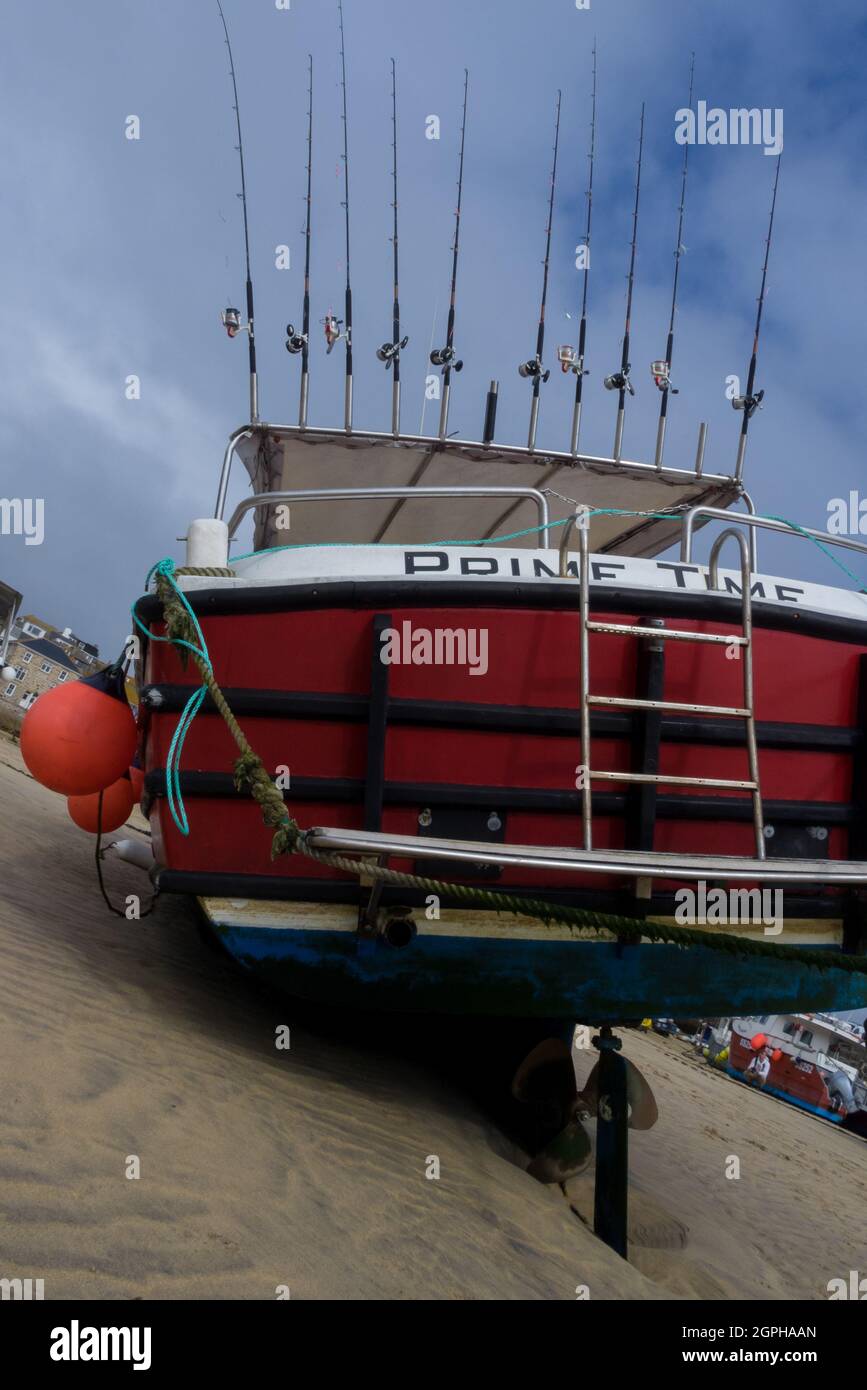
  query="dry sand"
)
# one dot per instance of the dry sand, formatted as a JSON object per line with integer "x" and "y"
{"x": 306, "y": 1167}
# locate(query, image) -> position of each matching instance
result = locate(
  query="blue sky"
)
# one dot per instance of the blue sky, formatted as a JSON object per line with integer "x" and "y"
{"x": 117, "y": 256}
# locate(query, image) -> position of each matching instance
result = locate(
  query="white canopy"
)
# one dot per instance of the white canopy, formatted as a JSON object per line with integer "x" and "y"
{"x": 283, "y": 458}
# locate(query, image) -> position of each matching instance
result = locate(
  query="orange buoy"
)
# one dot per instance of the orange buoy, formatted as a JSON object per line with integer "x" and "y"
{"x": 81, "y": 737}
{"x": 136, "y": 777}
{"x": 117, "y": 802}
{"x": 758, "y": 1042}
{"x": 776, "y": 1054}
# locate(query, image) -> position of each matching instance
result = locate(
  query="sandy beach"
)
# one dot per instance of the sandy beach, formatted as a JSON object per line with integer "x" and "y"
{"x": 305, "y": 1168}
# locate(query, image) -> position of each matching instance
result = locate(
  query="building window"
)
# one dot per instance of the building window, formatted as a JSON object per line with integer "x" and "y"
{"x": 27, "y": 658}
{"x": 10, "y": 689}
{"x": 62, "y": 676}
{"x": 28, "y": 700}
{"x": 46, "y": 667}
{"x": 19, "y": 673}
{"x": 33, "y": 631}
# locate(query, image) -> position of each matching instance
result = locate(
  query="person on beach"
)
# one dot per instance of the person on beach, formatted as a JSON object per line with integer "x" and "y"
{"x": 757, "y": 1071}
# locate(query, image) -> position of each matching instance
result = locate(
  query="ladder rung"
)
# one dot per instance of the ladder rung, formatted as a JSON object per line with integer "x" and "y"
{"x": 674, "y": 781}
{"x": 733, "y": 711}
{"x": 629, "y": 630}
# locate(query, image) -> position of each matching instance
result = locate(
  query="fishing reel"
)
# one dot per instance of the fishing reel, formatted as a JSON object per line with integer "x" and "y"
{"x": 390, "y": 352}
{"x": 533, "y": 370}
{"x": 231, "y": 321}
{"x": 748, "y": 404}
{"x": 569, "y": 360}
{"x": 445, "y": 358}
{"x": 295, "y": 342}
{"x": 333, "y": 334}
{"x": 660, "y": 371}
{"x": 619, "y": 382}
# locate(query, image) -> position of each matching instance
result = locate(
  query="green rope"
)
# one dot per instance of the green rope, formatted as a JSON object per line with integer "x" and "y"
{"x": 182, "y": 629}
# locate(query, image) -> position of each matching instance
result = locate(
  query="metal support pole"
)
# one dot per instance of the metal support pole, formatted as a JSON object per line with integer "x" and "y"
{"x": 612, "y": 1144}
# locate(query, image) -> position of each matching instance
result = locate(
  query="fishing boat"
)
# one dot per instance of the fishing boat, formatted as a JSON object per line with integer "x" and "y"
{"x": 817, "y": 1062}
{"x": 510, "y": 731}
{"x": 457, "y": 758}
{"x": 498, "y": 718}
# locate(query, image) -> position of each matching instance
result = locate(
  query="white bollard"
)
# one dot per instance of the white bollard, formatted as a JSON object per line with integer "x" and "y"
{"x": 207, "y": 544}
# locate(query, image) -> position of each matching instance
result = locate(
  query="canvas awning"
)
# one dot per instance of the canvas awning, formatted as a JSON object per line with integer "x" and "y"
{"x": 282, "y": 459}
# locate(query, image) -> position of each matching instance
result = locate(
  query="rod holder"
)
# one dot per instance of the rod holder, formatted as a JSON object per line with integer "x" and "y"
{"x": 395, "y": 407}
{"x": 302, "y": 405}
{"x": 534, "y": 421}
{"x": 444, "y": 409}
{"x": 490, "y": 413}
{"x": 347, "y": 406}
{"x": 618, "y": 434}
{"x": 576, "y": 430}
{"x": 742, "y": 451}
{"x": 699, "y": 453}
{"x": 660, "y": 444}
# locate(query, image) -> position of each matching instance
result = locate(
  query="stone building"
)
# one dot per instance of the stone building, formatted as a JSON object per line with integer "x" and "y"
{"x": 41, "y": 657}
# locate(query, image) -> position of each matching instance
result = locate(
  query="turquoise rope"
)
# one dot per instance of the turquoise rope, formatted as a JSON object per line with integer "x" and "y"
{"x": 174, "y": 796}
{"x": 484, "y": 540}
{"x": 821, "y": 546}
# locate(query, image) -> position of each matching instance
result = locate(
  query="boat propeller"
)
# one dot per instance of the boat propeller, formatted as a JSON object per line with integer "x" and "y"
{"x": 545, "y": 1080}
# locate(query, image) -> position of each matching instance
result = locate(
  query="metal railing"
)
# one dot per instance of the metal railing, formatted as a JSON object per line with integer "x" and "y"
{"x": 762, "y": 523}
{"x": 338, "y": 494}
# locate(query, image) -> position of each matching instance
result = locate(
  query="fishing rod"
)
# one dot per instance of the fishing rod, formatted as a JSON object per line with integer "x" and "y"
{"x": 231, "y": 318}
{"x": 661, "y": 371}
{"x": 445, "y": 357}
{"x": 619, "y": 381}
{"x": 389, "y": 353}
{"x": 750, "y": 401}
{"x": 300, "y": 342}
{"x": 569, "y": 359}
{"x": 533, "y": 368}
{"x": 347, "y": 332}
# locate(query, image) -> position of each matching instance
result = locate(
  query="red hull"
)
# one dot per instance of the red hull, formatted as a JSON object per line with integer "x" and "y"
{"x": 533, "y": 666}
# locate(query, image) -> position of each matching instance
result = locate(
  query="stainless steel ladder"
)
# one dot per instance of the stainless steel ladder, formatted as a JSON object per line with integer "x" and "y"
{"x": 744, "y": 711}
